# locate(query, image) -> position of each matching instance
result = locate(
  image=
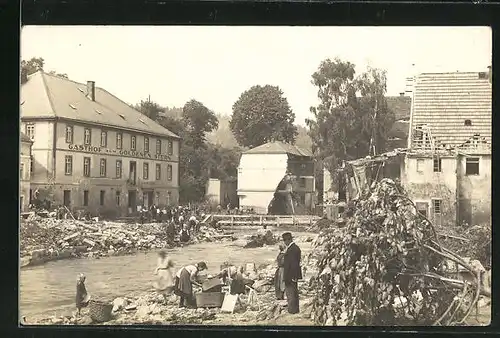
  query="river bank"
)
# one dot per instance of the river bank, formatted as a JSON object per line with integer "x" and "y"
{"x": 44, "y": 240}
{"x": 49, "y": 290}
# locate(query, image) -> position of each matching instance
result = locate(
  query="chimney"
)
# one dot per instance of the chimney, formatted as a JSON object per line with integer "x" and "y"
{"x": 489, "y": 73}
{"x": 91, "y": 90}
{"x": 402, "y": 94}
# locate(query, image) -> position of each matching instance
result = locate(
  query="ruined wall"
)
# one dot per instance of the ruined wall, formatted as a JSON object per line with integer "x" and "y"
{"x": 425, "y": 185}
{"x": 258, "y": 178}
{"x": 475, "y": 192}
{"x": 213, "y": 190}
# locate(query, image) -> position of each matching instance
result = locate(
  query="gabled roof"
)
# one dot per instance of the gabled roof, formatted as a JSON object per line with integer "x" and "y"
{"x": 279, "y": 147}
{"x": 400, "y": 105}
{"x": 45, "y": 95}
{"x": 25, "y": 138}
{"x": 444, "y": 101}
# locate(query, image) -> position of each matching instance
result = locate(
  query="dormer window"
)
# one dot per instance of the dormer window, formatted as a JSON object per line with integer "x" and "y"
{"x": 467, "y": 123}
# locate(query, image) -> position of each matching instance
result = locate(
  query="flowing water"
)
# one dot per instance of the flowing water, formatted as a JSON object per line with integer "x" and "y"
{"x": 50, "y": 289}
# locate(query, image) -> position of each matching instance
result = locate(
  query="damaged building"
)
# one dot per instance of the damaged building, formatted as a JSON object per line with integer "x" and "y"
{"x": 446, "y": 166}
{"x": 277, "y": 178}
{"x": 447, "y": 171}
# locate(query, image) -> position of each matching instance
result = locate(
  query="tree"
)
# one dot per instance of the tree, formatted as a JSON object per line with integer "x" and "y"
{"x": 149, "y": 108}
{"x": 352, "y": 118}
{"x": 262, "y": 114}
{"x": 29, "y": 67}
{"x": 199, "y": 121}
{"x": 33, "y": 65}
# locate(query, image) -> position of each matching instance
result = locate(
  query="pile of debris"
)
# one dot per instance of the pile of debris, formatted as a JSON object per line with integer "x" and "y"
{"x": 387, "y": 254}
{"x": 45, "y": 239}
{"x": 261, "y": 239}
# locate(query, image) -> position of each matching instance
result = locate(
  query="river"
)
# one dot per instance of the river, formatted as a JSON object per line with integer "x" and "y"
{"x": 49, "y": 290}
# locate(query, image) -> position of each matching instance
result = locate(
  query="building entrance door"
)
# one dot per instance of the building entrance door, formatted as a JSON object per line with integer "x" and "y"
{"x": 67, "y": 198}
{"x": 148, "y": 198}
{"x": 132, "y": 199}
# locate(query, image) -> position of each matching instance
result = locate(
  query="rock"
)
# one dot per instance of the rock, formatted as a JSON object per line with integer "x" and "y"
{"x": 119, "y": 304}
{"x": 142, "y": 312}
{"x": 130, "y": 307}
{"x": 85, "y": 320}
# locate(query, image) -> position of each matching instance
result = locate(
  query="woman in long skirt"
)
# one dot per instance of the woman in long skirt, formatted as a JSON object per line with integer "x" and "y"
{"x": 184, "y": 281}
{"x": 165, "y": 283}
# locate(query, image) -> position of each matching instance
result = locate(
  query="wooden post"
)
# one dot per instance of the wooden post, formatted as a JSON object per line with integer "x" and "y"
{"x": 278, "y": 221}
{"x": 232, "y": 220}
{"x": 261, "y": 220}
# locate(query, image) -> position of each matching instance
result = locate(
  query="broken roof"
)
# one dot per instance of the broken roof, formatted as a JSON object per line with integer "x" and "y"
{"x": 279, "y": 147}
{"x": 50, "y": 96}
{"x": 444, "y": 101}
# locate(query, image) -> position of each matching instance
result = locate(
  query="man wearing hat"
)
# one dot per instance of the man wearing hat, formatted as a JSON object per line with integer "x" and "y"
{"x": 292, "y": 272}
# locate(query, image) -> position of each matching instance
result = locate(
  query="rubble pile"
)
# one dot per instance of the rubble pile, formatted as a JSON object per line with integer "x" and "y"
{"x": 259, "y": 240}
{"x": 387, "y": 254}
{"x": 45, "y": 239}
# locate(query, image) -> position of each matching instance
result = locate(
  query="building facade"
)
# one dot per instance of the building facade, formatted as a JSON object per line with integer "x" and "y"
{"x": 277, "y": 178}
{"x": 447, "y": 170}
{"x": 222, "y": 192}
{"x": 24, "y": 172}
{"x": 95, "y": 152}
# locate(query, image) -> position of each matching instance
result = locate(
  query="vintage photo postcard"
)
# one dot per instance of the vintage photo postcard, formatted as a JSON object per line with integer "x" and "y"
{"x": 313, "y": 176}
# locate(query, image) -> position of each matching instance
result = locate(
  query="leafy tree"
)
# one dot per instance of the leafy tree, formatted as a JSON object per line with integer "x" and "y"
{"x": 149, "y": 108}
{"x": 32, "y": 66}
{"x": 262, "y": 114}
{"x": 352, "y": 118}
{"x": 199, "y": 120}
{"x": 29, "y": 67}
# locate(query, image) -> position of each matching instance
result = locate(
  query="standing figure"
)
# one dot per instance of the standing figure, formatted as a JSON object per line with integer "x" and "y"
{"x": 184, "y": 280}
{"x": 165, "y": 283}
{"x": 82, "y": 296}
{"x": 279, "y": 281}
{"x": 291, "y": 272}
{"x": 184, "y": 235}
{"x": 170, "y": 232}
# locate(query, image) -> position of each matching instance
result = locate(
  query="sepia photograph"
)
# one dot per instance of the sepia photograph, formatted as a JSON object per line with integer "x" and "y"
{"x": 246, "y": 175}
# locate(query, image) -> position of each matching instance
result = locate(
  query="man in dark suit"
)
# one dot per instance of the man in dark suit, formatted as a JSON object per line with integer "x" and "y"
{"x": 292, "y": 272}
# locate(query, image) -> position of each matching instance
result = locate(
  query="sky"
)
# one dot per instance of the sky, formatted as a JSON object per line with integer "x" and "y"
{"x": 215, "y": 65}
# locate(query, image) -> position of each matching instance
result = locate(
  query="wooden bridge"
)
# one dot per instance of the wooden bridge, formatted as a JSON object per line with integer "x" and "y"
{"x": 261, "y": 220}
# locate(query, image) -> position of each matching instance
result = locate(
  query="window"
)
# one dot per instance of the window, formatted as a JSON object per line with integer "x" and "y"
{"x": 102, "y": 170}
{"x": 437, "y": 165}
{"x": 420, "y": 165}
{"x": 170, "y": 147}
{"x": 472, "y": 166}
{"x": 158, "y": 147}
{"x": 86, "y": 166}
{"x": 119, "y": 140}
{"x": 32, "y": 163}
{"x": 146, "y": 144}
{"x": 87, "y": 136}
{"x": 101, "y": 197}
{"x": 169, "y": 172}
{"x": 118, "y": 168}
{"x": 104, "y": 138}
{"x": 69, "y": 134}
{"x": 117, "y": 198}
{"x": 30, "y": 130}
{"x": 422, "y": 208}
{"x": 158, "y": 171}
{"x": 436, "y": 205}
{"x": 21, "y": 171}
{"x": 68, "y": 164}
{"x": 85, "y": 198}
{"x": 132, "y": 142}
{"x": 482, "y": 75}
{"x": 468, "y": 123}
{"x": 145, "y": 171}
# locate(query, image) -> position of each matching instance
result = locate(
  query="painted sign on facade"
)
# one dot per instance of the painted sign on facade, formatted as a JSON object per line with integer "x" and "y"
{"x": 130, "y": 153}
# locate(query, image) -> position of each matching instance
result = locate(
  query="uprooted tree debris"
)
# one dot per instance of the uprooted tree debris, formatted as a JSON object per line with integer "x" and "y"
{"x": 387, "y": 267}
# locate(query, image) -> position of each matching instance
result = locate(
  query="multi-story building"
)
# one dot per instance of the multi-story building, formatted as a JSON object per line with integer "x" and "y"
{"x": 94, "y": 151}
{"x": 447, "y": 169}
{"x": 271, "y": 174}
{"x": 24, "y": 171}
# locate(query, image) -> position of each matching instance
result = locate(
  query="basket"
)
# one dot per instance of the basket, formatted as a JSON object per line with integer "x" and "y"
{"x": 100, "y": 311}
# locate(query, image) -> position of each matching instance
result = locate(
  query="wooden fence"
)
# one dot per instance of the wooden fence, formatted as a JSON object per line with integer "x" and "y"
{"x": 261, "y": 220}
